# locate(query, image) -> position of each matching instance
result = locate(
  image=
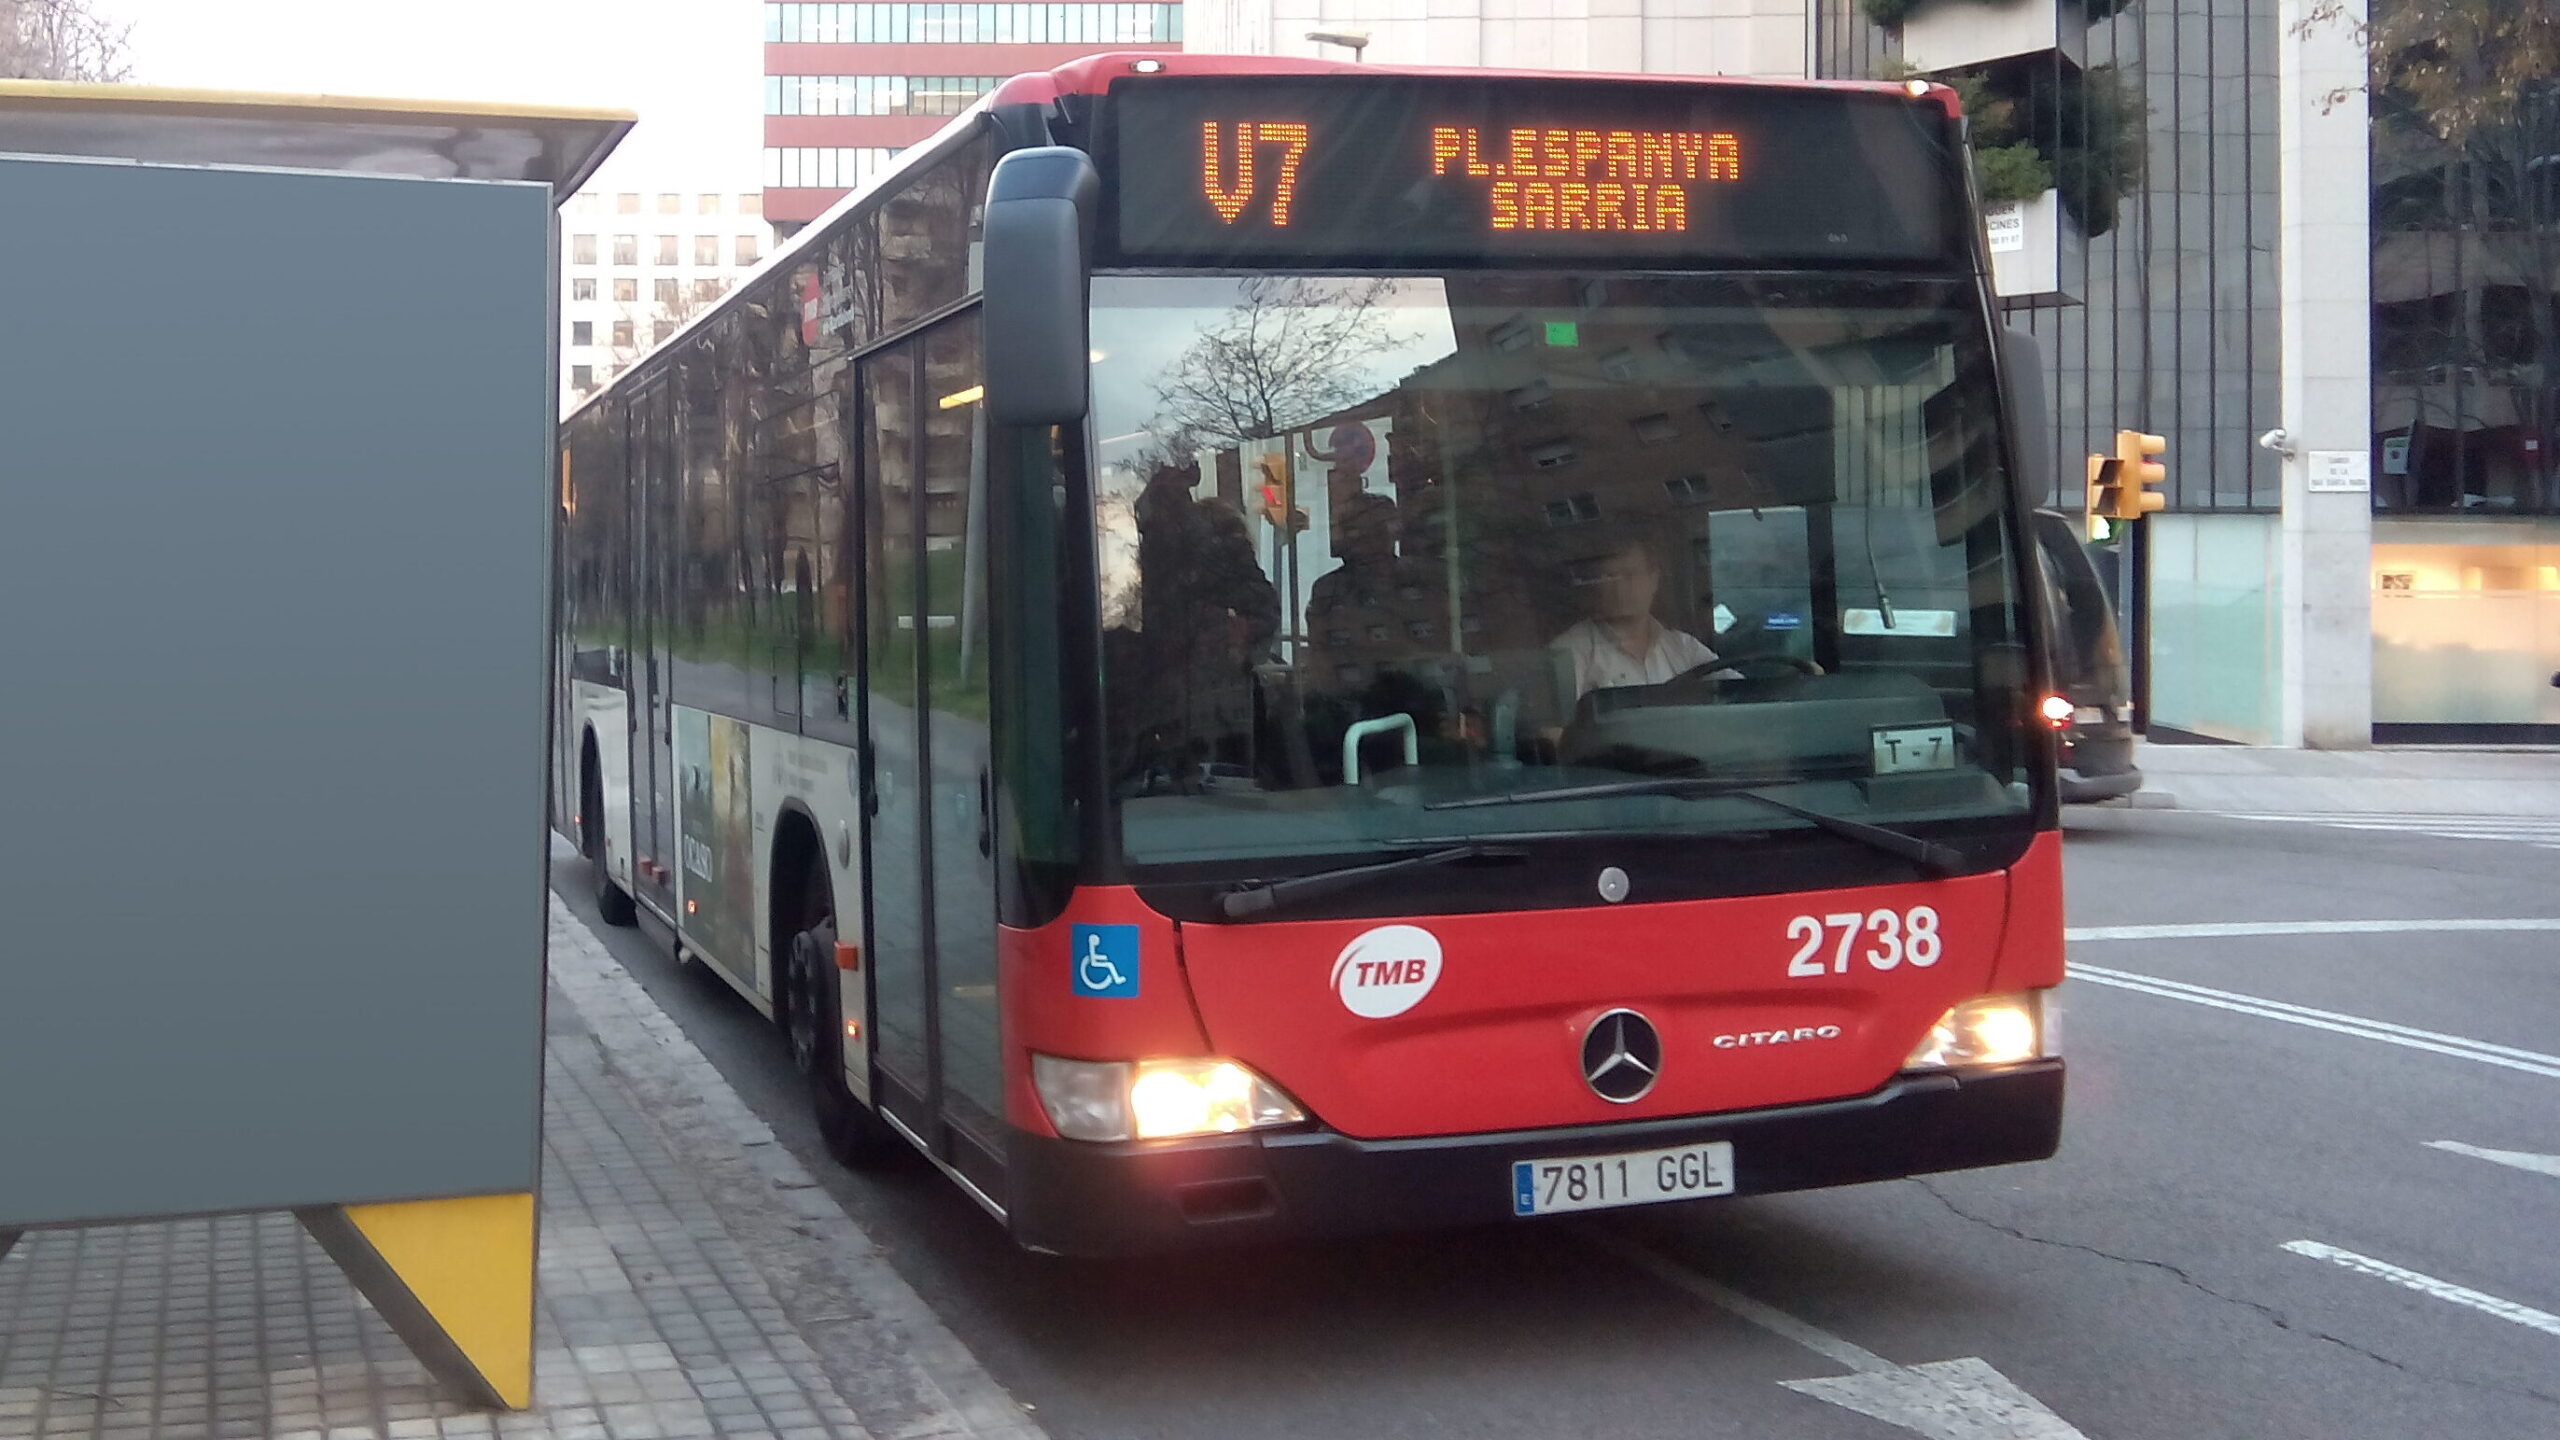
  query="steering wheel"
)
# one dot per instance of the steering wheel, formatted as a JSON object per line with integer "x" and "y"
{"x": 1765, "y": 663}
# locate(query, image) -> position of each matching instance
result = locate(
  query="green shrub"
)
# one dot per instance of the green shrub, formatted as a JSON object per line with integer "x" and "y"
{"x": 2011, "y": 172}
{"x": 2082, "y": 134}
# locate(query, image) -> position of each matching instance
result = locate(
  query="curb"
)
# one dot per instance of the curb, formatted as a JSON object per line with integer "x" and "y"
{"x": 890, "y": 1358}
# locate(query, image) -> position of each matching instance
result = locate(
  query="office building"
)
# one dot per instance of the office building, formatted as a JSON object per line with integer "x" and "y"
{"x": 1691, "y": 37}
{"x": 846, "y": 86}
{"x": 638, "y": 261}
{"x": 2340, "y": 324}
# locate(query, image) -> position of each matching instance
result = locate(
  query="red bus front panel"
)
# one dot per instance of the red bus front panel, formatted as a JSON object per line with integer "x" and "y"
{"x": 1457, "y": 1024}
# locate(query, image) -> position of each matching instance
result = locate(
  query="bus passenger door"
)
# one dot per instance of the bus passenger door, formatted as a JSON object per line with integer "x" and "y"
{"x": 962, "y": 872}
{"x": 932, "y": 842}
{"x": 901, "y": 988}
{"x": 654, "y": 541}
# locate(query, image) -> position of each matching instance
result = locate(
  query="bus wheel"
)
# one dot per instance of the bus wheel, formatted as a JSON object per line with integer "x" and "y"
{"x": 813, "y": 1025}
{"x": 613, "y": 903}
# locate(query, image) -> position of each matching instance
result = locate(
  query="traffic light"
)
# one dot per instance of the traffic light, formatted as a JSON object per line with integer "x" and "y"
{"x": 2101, "y": 502}
{"x": 1280, "y": 493}
{"x": 1278, "y": 487}
{"x": 2139, "y": 476}
{"x": 2123, "y": 486}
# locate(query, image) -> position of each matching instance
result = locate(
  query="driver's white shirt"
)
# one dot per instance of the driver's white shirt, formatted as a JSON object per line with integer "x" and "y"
{"x": 1599, "y": 662}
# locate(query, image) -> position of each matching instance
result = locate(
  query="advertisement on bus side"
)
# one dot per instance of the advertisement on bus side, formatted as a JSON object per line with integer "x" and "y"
{"x": 716, "y": 892}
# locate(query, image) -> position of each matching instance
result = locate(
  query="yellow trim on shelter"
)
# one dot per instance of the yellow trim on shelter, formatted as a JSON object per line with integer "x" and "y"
{"x": 453, "y": 1277}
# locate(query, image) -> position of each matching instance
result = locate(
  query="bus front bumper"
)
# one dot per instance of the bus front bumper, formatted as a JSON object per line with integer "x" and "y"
{"x": 1076, "y": 1198}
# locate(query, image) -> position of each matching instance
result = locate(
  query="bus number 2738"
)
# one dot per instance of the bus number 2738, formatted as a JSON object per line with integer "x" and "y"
{"x": 1891, "y": 936}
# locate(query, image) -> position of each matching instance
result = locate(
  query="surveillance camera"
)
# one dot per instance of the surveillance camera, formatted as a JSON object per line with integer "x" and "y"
{"x": 2278, "y": 440}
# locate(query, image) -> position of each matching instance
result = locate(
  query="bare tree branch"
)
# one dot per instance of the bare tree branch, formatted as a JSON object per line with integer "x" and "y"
{"x": 2462, "y": 64}
{"x": 61, "y": 40}
{"x": 1291, "y": 352}
{"x": 646, "y": 315}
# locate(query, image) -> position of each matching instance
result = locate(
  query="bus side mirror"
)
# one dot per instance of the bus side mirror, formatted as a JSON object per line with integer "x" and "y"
{"x": 2030, "y": 418}
{"x": 1038, "y": 230}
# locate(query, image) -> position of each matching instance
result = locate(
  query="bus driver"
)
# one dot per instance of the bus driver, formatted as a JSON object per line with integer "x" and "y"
{"x": 1622, "y": 643}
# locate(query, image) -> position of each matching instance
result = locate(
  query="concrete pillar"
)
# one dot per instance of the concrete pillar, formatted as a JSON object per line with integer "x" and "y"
{"x": 2325, "y": 269}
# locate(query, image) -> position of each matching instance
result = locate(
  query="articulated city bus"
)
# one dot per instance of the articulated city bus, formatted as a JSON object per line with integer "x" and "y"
{"x": 1245, "y": 646}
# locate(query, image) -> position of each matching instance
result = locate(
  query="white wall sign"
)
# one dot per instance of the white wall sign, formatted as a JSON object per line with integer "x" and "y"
{"x": 2006, "y": 224}
{"x": 2341, "y": 470}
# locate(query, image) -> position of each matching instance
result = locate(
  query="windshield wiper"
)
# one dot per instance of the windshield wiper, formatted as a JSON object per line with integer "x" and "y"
{"x": 1932, "y": 858}
{"x": 1269, "y": 894}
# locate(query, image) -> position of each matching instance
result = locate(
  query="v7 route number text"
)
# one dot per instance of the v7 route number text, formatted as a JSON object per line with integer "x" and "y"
{"x": 1892, "y": 937}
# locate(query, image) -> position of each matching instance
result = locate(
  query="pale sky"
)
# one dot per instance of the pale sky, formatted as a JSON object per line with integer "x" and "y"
{"x": 692, "y": 69}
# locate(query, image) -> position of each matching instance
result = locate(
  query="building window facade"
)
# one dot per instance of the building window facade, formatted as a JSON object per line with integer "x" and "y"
{"x": 824, "y": 167}
{"x": 873, "y": 94}
{"x": 905, "y": 24}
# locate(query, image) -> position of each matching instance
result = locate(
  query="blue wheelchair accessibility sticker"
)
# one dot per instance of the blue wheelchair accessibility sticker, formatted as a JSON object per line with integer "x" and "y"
{"x": 1106, "y": 961}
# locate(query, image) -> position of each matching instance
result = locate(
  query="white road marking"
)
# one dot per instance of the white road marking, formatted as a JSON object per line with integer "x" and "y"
{"x": 1944, "y": 1399}
{"x": 2526, "y": 1315}
{"x": 2508, "y": 1057}
{"x": 2540, "y": 830}
{"x": 2520, "y": 1159}
{"x": 2239, "y": 929}
{"x": 1767, "y": 1317}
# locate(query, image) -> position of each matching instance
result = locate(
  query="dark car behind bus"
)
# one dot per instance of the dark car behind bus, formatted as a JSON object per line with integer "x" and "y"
{"x": 2089, "y": 668}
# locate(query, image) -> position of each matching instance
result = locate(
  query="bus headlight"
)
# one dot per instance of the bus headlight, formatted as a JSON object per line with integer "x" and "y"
{"x": 1156, "y": 1099}
{"x": 1986, "y": 1030}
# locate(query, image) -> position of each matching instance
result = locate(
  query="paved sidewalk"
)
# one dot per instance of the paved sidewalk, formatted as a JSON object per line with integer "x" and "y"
{"x": 2393, "y": 781}
{"x": 695, "y": 1283}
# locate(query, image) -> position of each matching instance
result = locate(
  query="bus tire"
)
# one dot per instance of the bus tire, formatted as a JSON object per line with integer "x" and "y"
{"x": 613, "y": 903}
{"x": 813, "y": 1027}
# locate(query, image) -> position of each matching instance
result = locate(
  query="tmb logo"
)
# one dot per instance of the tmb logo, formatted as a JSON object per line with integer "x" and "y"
{"x": 1387, "y": 971}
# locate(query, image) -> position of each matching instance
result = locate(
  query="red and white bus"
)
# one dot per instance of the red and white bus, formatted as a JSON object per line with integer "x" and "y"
{"x": 1245, "y": 646}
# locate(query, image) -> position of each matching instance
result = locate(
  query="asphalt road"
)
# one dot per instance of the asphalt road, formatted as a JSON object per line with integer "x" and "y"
{"x": 2139, "y": 1285}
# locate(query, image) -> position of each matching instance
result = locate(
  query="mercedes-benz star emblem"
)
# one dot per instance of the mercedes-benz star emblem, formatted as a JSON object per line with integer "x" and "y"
{"x": 1621, "y": 1056}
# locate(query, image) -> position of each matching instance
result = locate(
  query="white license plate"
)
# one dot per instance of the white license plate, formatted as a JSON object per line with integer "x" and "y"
{"x": 1640, "y": 1177}
{"x": 1903, "y": 748}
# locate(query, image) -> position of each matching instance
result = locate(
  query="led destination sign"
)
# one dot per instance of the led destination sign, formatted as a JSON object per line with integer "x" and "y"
{"x": 1398, "y": 170}
{"x": 1636, "y": 180}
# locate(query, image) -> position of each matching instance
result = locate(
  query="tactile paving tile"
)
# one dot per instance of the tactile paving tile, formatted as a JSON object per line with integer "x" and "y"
{"x": 652, "y": 1325}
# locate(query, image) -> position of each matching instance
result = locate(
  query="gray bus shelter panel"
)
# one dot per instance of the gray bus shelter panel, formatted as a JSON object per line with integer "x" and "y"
{"x": 275, "y": 485}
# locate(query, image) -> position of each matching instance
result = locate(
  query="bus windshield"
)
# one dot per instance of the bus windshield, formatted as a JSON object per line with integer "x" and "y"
{"x": 1385, "y": 560}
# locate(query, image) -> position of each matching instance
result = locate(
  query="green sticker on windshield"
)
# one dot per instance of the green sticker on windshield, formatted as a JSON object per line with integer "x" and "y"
{"x": 1564, "y": 333}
